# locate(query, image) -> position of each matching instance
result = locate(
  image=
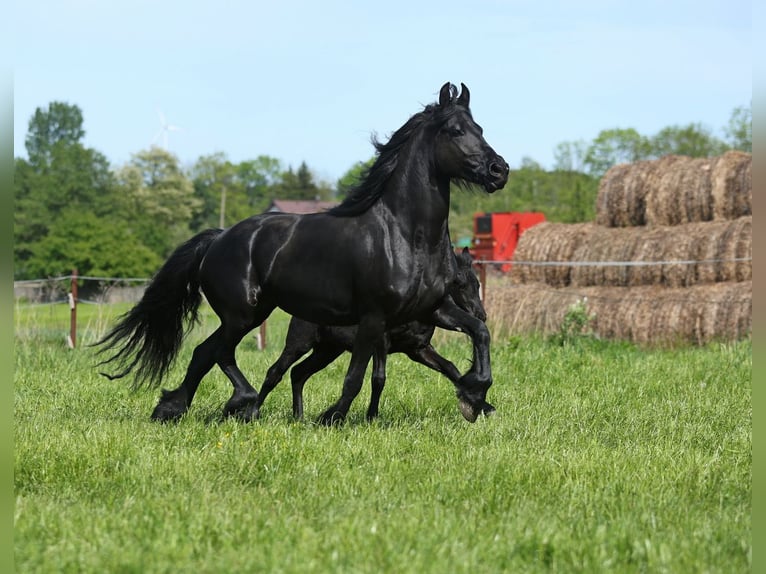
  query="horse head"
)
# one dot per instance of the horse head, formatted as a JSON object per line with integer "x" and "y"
{"x": 461, "y": 152}
{"x": 466, "y": 290}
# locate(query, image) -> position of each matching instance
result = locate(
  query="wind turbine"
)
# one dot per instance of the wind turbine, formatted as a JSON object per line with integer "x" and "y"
{"x": 165, "y": 127}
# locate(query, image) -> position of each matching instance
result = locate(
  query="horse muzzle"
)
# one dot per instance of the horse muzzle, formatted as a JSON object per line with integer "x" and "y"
{"x": 497, "y": 174}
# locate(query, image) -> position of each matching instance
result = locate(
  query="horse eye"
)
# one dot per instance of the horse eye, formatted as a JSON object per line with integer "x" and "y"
{"x": 454, "y": 132}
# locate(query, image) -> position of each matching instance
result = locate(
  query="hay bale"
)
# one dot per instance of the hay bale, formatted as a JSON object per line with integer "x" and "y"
{"x": 679, "y": 191}
{"x": 646, "y": 315}
{"x": 676, "y": 189}
{"x": 665, "y": 250}
{"x": 732, "y": 185}
{"x": 547, "y": 242}
{"x": 621, "y": 195}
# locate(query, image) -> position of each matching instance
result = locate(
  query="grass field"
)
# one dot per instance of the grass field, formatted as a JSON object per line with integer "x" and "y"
{"x": 602, "y": 458}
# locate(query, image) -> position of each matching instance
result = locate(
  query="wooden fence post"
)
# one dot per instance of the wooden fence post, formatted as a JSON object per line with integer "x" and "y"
{"x": 73, "y": 311}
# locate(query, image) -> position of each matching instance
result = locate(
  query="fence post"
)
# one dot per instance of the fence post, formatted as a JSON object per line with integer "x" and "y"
{"x": 72, "y": 341}
{"x": 262, "y": 336}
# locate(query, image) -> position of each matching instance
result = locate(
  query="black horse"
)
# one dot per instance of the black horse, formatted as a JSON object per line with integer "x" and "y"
{"x": 327, "y": 343}
{"x": 379, "y": 259}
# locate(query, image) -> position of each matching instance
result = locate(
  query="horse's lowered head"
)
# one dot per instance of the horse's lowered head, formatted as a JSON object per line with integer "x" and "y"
{"x": 466, "y": 290}
{"x": 461, "y": 151}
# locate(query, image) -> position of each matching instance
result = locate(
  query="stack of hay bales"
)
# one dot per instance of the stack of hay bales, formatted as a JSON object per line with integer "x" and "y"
{"x": 667, "y": 260}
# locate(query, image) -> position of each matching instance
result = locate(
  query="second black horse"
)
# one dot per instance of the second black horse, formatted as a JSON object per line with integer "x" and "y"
{"x": 413, "y": 339}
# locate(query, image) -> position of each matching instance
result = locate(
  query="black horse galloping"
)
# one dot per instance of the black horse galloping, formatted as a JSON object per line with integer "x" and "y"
{"x": 328, "y": 343}
{"x": 379, "y": 259}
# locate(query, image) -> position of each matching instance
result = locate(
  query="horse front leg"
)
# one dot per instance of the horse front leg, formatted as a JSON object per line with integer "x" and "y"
{"x": 473, "y": 386}
{"x": 429, "y": 357}
{"x": 378, "y": 379}
{"x": 370, "y": 332}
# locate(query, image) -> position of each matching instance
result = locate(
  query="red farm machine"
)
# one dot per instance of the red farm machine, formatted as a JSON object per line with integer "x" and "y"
{"x": 495, "y": 235}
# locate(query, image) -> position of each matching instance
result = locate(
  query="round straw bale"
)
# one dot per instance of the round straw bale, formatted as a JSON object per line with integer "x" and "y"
{"x": 621, "y": 194}
{"x": 732, "y": 185}
{"x": 679, "y": 191}
{"x": 547, "y": 242}
{"x": 647, "y": 314}
{"x": 672, "y": 256}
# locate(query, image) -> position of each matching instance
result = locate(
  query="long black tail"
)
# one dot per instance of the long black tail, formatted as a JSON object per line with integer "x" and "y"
{"x": 149, "y": 336}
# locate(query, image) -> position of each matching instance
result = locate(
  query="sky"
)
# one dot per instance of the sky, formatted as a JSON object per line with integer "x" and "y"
{"x": 313, "y": 81}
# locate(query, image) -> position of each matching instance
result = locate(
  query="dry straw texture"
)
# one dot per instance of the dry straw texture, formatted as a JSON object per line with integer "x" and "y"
{"x": 649, "y": 315}
{"x": 713, "y": 248}
{"x": 676, "y": 189}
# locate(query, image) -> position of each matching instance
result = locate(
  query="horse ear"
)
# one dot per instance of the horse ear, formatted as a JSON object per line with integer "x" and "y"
{"x": 445, "y": 94}
{"x": 465, "y": 96}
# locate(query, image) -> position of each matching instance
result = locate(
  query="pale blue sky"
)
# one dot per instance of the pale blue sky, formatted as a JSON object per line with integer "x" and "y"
{"x": 300, "y": 80}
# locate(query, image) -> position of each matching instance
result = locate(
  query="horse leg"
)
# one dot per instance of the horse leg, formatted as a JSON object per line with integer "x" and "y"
{"x": 378, "y": 379}
{"x": 301, "y": 337}
{"x": 321, "y": 356}
{"x": 473, "y": 386}
{"x": 370, "y": 332}
{"x": 173, "y": 404}
{"x": 429, "y": 357}
{"x": 243, "y": 403}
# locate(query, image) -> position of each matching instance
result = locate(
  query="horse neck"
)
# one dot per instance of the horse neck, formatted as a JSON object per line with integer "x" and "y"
{"x": 416, "y": 197}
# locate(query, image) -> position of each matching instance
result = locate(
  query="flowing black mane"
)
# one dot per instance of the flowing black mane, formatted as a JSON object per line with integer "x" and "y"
{"x": 364, "y": 194}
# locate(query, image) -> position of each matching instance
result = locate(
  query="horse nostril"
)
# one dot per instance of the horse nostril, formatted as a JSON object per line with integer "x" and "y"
{"x": 495, "y": 169}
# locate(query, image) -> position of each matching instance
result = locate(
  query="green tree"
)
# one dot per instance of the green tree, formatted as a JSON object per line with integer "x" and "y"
{"x": 301, "y": 185}
{"x": 257, "y": 178}
{"x": 353, "y": 176}
{"x": 231, "y": 192}
{"x": 94, "y": 246}
{"x": 213, "y": 181}
{"x": 60, "y": 174}
{"x": 158, "y": 199}
{"x": 615, "y": 146}
{"x": 693, "y": 140}
{"x": 739, "y": 131}
{"x": 60, "y": 123}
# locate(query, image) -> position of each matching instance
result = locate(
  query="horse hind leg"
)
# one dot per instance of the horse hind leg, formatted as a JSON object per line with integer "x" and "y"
{"x": 321, "y": 356}
{"x": 243, "y": 403}
{"x": 301, "y": 338}
{"x": 369, "y": 334}
{"x": 173, "y": 404}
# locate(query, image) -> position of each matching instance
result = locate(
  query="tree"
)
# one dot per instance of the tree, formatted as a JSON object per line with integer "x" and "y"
{"x": 213, "y": 181}
{"x": 693, "y": 140}
{"x": 94, "y": 246}
{"x": 353, "y": 176}
{"x": 235, "y": 191}
{"x": 60, "y": 174}
{"x": 60, "y": 123}
{"x": 159, "y": 199}
{"x": 301, "y": 185}
{"x": 615, "y": 146}
{"x": 740, "y": 129}
{"x": 570, "y": 156}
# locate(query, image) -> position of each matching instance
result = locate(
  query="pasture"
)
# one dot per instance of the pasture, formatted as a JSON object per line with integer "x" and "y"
{"x": 603, "y": 457}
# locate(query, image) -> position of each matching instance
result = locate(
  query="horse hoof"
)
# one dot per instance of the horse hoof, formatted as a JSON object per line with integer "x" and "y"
{"x": 170, "y": 407}
{"x": 469, "y": 413}
{"x": 331, "y": 417}
{"x": 165, "y": 413}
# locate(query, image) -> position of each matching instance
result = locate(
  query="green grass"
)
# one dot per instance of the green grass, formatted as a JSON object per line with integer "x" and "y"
{"x": 602, "y": 458}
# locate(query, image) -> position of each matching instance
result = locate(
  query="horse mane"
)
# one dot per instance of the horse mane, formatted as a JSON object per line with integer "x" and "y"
{"x": 373, "y": 182}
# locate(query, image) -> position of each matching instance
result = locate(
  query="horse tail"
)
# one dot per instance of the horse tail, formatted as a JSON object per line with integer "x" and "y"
{"x": 149, "y": 336}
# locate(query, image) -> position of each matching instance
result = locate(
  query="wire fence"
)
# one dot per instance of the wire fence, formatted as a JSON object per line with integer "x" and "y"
{"x": 74, "y": 289}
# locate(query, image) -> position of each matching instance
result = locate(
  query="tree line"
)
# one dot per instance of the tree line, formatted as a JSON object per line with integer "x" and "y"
{"x": 73, "y": 210}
